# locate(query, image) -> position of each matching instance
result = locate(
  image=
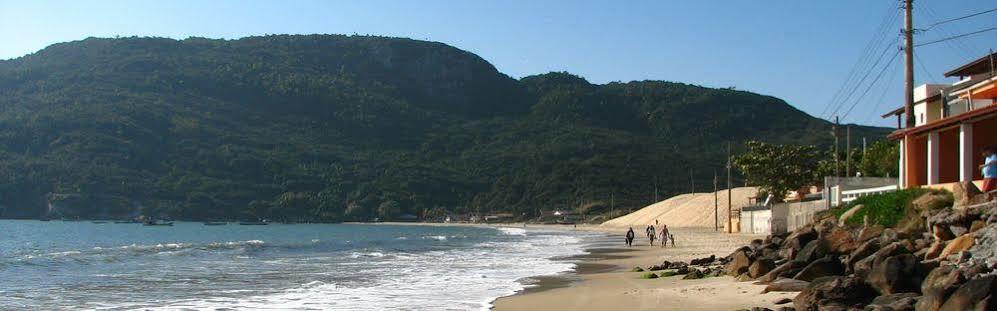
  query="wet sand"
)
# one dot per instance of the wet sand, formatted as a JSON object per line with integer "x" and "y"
{"x": 602, "y": 280}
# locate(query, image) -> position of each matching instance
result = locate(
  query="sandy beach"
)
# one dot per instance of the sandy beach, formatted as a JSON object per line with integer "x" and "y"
{"x": 602, "y": 280}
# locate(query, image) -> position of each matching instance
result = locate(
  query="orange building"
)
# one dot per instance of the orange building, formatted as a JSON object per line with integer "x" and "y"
{"x": 952, "y": 124}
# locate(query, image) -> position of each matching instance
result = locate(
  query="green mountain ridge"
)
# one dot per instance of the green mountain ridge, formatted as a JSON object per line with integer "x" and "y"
{"x": 334, "y": 128}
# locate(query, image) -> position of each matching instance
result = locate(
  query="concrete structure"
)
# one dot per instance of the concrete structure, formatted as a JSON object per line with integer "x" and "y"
{"x": 952, "y": 124}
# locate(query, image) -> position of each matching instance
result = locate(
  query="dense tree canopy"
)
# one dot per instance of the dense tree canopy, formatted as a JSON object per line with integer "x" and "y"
{"x": 332, "y": 128}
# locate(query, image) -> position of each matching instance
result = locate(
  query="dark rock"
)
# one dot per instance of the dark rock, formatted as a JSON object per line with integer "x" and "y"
{"x": 694, "y": 274}
{"x": 894, "y": 302}
{"x": 756, "y": 244}
{"x": 786, "y": 285}
{"x": 785, "y": 270}
{"x": 637, "y": 269}
{"x": 813, "y": 250}
{"x": 682, "y": 270}
{"x": 941, "y": 232}
{"x": 840, "y": 241}
{"x": 761, "y": 309}
{"x": 975, "y": 294}
{"x": 760, "y": 267}
{"x": 937, "y": 286}
{"x": 703, "y": 261}
{"x": 655, "y": 268}
{"x": 896, "y": 274}
{"x": 649, "y": 275}
{"x": 863, "y": 266}
{"x": 833, "y": 293}
{"x": 827, "y": 266}
{"x": 783, "y": 301}
{"x": 865, "y": 250}
{"x": 977, "y": 225}
{"x": 740, "y": 261}
{"x": 933, "y": 250}
{"x": 870, "y": 232}
{"x": 797, "y": 239}
{"x": 786, "y": 308}
{"x": 889, "y": 236}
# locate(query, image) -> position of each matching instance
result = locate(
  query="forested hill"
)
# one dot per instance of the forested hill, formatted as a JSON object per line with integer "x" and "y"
{"x": 332, "y": 128}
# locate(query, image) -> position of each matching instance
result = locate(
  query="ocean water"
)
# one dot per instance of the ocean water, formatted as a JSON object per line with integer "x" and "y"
{"x": 82, "y": 265}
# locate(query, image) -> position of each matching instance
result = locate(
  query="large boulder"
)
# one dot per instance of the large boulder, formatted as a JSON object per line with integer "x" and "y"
{"x": 966, "y": 193}
{"x": 785, "y": 270}
{"x": 975, "y": 294}
{"x": 865, "y": 265}
{"x": 870, "y": 232}
{"x": 827, "y": 266}
{"x": 812, "y": 251}
{"x": 934, "y": 250}
{"x": 896, "y": 274}
{"x": 786, "y": 285}
{"x": 937, "y": 286}
{"x": 796, "y": 240}
{"x": 865, "y": 250}
{"x": 836, "y": 292}
{"x": 961, "y": 243}
{"x": 760, "y": 267}
{"x": 849, "y": 213}
{"x": 739, "y": 262}
{"x": 840, "y": 241}
{"x": 894, "y": 302}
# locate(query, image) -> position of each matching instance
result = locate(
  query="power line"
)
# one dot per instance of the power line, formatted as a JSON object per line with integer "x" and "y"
{"x": 966, "y": 48}
{"x": 873, "y": 83}
{"x": 886, "y": 89}
{"x": 859, "y": 85}
{"x": 959, "y": 18}
{"x": 956, "y": 36}
{"x": 879, "y": 34}
{"x": 923, "y": 68}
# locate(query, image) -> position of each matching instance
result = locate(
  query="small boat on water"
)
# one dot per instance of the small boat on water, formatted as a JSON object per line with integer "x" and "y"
{"x": 215, "y": 223}
{"x": 157, "y": 223}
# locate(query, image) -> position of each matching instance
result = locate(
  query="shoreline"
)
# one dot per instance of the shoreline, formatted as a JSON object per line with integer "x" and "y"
{"x": 602, "y": 279}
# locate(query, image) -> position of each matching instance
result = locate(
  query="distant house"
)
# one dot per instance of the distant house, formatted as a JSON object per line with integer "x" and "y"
{"x": 952, "y": 124}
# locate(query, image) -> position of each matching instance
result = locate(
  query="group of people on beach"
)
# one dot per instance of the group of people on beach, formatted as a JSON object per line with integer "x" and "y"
{"x": 652, "y": 233}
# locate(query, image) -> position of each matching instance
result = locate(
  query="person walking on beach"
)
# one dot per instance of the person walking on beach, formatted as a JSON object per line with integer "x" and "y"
{"x": 665, "y": 236}
{"x": 650, "y": 235}
{"x": 630, "y": 236}
{"x": 989, "y": 168}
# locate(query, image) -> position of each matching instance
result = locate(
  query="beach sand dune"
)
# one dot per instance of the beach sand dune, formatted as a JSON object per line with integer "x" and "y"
{"x": 685, "y": 210}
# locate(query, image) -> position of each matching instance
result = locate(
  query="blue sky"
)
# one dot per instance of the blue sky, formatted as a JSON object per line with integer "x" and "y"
{"x": 800, "y": 51}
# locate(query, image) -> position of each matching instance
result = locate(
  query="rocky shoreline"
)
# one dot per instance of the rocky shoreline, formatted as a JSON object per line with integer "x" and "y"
{"x": 941, "y": 256}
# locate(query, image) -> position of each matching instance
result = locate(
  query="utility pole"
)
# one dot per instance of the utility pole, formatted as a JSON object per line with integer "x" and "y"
{"x": 834, "y": 131}
{"x": 848, "y": 150}
{"x": 612, "y": 203}
{"x": 909, "y": 62}
{"x": 729, "y": 206}
{"x": 692, "y": 181}
{"x": 716, "y": 203}
{"x": 863, "y": 147}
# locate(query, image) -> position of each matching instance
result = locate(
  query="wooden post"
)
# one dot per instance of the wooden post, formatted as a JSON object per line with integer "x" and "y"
{"x": 716, "y": 203}
{"x": 729, "y": 206}
{"x": 848, "y": 151}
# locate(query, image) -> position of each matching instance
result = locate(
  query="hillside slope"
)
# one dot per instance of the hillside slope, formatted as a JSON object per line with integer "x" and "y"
{"x": 332, "y": 128}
